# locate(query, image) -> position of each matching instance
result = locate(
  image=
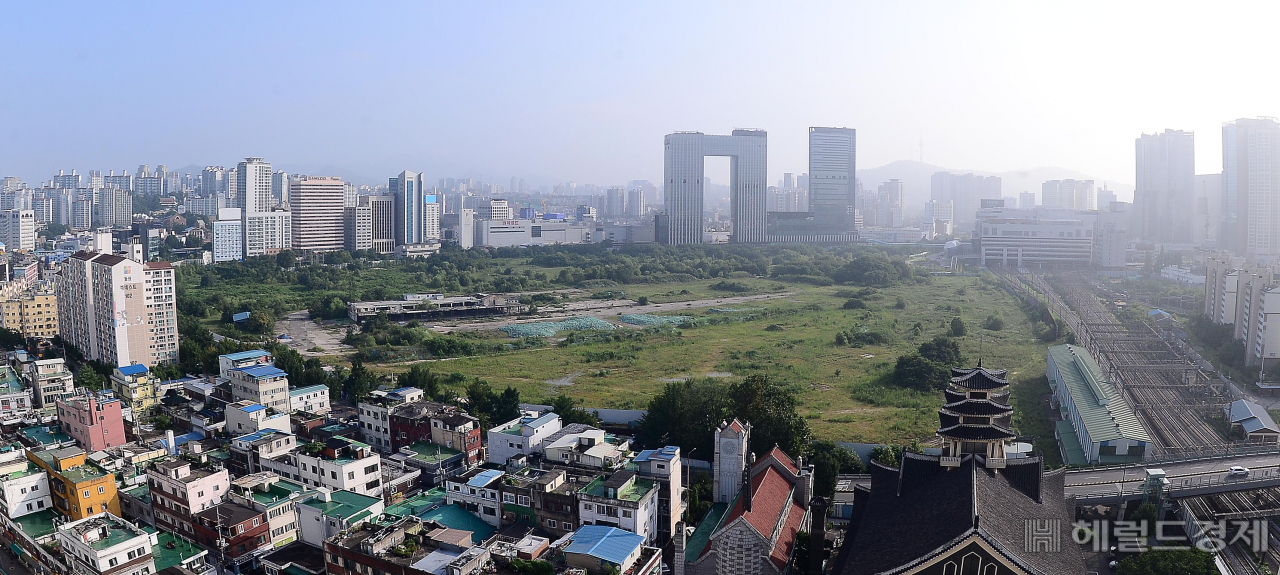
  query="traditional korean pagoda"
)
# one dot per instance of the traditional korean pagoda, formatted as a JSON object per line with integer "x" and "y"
{"x": 969, "y": 510}
{"x": 976, "y": 416}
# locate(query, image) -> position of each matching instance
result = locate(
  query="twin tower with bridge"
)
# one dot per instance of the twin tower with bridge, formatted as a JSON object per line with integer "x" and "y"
{"x": 832, "y": 188}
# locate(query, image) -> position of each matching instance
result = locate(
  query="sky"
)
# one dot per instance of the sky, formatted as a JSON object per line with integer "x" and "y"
{"x": 584, "y": 91}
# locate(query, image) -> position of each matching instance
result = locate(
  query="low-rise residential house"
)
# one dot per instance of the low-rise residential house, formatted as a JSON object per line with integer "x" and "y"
{"x": 398, "y": 479}
{"x": 436, "y": 462}
{"x": 459, "y": 431}
{"x": 409, "y": 423}
{"x": 254, "y": 452}
{"x": 328, "y": 513}
{"x": 137, "y": 388}
{"x": 25, "y": 489}
{"x": 94, "y": 420}
{"x": 230, "y": 361}
{"x": 80, "y": 489}
{"x": 601, "y": 549}
{"x": 236, "y": 531}
{"x": 276, "y": 498}
{"x": 342, "y": 463}
{"x": 662, "y": 466}
{"x": 245, "y": 417}
{"x": 51, "y": 380}
{"x": 311, "y": 399}
{"x": 404, "y": 547}
{"x": 296, "y": 558}
{"x": 375, "y": 415}
{"x": 582, "y": 446}
{"x": 623, "y": 501}
{"x": 16, "y": 400}
{"x": 521, "y": 436}
{"x": 265, "y": 385}
{"x": 178, "y": 492}
{"x": 105, "y": 544}
{"x": 545, "y": 498}
{"x": 135, "y": 505}
{"x": 478, "y": 491}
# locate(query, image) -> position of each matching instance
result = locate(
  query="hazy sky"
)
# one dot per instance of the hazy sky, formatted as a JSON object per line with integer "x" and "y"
{"x": 585, "y": 91}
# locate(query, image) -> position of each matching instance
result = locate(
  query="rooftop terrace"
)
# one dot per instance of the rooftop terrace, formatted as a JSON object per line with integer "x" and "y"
{"x": 432, "y": 453}
{"x": 183, "y": 550}
{"x": 344, "y": 504}
{"x": 633, "y": 492}
{"x": 39, "y": 524}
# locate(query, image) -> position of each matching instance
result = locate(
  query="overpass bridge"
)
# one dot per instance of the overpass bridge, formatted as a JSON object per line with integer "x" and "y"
{"x": 1187, "y": 478}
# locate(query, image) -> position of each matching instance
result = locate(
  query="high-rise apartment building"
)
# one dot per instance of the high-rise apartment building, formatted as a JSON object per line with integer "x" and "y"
{"x": 316, "y": 205}
{"x": 116, "y": 310}
{"x": 213, "y": 181}
{"x": 1026, "y": 200}
{"x": 253, "y": 186}
{"x": 1067, "y": 194}
{"x": 33, "y": 313}
{"x": 496, "y": 209}
{"x": 370, "y": 225}
{"x": 407, "y": 189}
{"x": 966, "y": 192}
{"x": 615, "y": 202}
{"x": 18, "y": 230}
{"x": 1105, "y": 197}
{"x": 266, "y": 233}
{"x": 228, "y": 236}
{"x": 430, "y": 220}
{"x": 65, "y": 180}
{"x": 635, "y": 203}
{"x": 1163, "y": 198}
{"x": 1251, "y": 189}
{"x": 832, "y": 164}
{"x": 280, "y": 186}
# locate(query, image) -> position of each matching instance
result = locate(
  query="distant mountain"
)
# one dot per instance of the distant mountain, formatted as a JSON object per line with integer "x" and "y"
{"x": 916, "y": 176}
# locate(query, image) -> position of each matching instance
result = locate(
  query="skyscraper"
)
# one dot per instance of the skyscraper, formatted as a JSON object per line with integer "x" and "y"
{"x": 1067, "y": 194}
{"x": 683, "y": 184}
{"x": 119, "y": 311}
{"x": 316, "y": 205}
{"x": 635, "y": 203}
{"x": 213, "y": 180}
{"x": 615, "y": 202}
{"x": 832, "y": 163}
{"x": 253, "y": 184}
{"x": 1251, "y": 189}
{"x": 1164, "y": 195}
{"x": 280, "y": 186}
{"x": 407, "y": 189}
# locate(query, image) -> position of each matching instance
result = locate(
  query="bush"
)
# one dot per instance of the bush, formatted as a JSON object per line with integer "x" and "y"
{"x": 993, "y": 323}
{"x": 941, "y": 350}
{"x": 642, "y": 300}
{"x": 914, "y": 371}
{"x": 900, "y": 304}
{"x": 958, "y": 329}
{"x": 735, "y": 287}
{"x": 855, "y": 304}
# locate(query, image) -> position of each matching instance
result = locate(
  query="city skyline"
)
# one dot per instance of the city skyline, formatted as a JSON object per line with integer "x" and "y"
{"x": 531, "y": 103}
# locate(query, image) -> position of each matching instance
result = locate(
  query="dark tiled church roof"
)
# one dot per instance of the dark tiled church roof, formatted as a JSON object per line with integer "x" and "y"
{"x": 921, "y": 510}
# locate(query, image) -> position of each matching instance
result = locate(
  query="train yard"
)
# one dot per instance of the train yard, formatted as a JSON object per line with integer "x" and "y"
{"x": 1174, "y": 400}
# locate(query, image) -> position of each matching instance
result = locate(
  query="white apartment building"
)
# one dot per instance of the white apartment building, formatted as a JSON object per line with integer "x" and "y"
{"x": 478, "y": 491}
{"x": 312, "y": 399}
{"x": 521, "y": 436}
{"x": 230, "y": 361}
{"x": 1250, "y": 223}
{"x": 245, "y": 417}
{"x": 375, "y": 421}
{"x": 18, "y": 230}
{"x": 267, "y": 233}
{"x": 370, "y": 224}
{"x": 316, "y": 205}
{"x": 1266, "y": 342}
{"x": 253, "y": 186}
{"x": 265, "y": 385}
{"x": 26, "y": 489}
{"x": 116, "y": 310}
{"x": 1067, "y": 194}
{"x": 106, "y": 545}
{"x": 623, "y": 501}
{"x": 430, "y": 221}
{"x": 228, "y": 236}
{"x": 1164, "y": 197}
{"x": 343, "y": 464}
{"x": 51, "y": 380}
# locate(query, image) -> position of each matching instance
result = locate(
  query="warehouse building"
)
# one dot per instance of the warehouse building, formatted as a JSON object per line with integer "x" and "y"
{"x": 1098, "y": 425}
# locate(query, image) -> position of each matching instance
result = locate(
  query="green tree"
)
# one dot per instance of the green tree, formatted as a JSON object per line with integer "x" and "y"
{"x": 421, "y": 377}
{"x": 686, "y": 414}
{"x": 829, "y": 461}
{"x": 958, "y": 328}
{"x": 1148, "y": 513}
{"x": 360, "y": 381}
{"x": 941, "y": 350}
{"x": 90, "y": 378}
{"x": 1168, "y": 562}
{"x": 642, "y": 300}
{"x": 10, "y": 339}
{"x": 286, "y": 259}
{"x": 993, "y": 323}
{"x": 193, "y": 241}
{"x": 569, "y": 411}
{"x": 771, "y": 409}
{"x": 914, "y": 371}
{"x": 260, "y": 322}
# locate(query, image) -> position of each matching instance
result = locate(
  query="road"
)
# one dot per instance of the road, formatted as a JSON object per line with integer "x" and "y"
{"x": 605, "y": 309}
{"x": 1088, "y": 481}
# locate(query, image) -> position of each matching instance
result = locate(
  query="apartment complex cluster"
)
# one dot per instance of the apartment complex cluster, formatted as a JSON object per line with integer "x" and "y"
{"x": 254, "y": 474}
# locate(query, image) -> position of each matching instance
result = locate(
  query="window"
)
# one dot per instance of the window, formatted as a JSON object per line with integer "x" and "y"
{"x": 102, "y": 489}
{"x": 551, "y": 523}
{"x": 256, "y": 522}
{"x": 508, "y": 498}
{"x": 351, "y": 475}
{"x": 113, "y": 561}
{"x": 86, "y": 494}
{"x": 567, "y": 526}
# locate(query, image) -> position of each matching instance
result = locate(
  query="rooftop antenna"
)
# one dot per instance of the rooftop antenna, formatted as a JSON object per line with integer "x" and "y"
{"x": 980, "y": 337}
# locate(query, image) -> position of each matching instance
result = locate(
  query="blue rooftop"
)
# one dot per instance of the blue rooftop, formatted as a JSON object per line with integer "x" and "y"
{"x": 667, "y": 453}
{"x": 404, "y": 389}
{"x": 607, "y": 543}
{"x": 261, "y": 371}
{"x": 542, "y": 420}
{"x": 261, "y": 433}
{"x": 305, "y": 390}
{"x": 244, "y": 315}
{"x": 484, "y": 477}
{"x": 251, "y": 354}
{"x": 134, "y": 369}
{"x": 252, "y": 408}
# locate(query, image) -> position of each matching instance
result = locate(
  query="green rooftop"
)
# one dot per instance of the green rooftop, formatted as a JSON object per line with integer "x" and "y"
{"x": 343, "y": 504}
{"x": 39, "y": 524}
{"x": 183, "y": 550}
{"x": 9, "y": 382}
{"x": 140, "y": 492}
{"x": 1071, "y": 450}
{"x": 455, "y": 517}
{"x": 31, "y": 469}
{"x": 702, "y": 535}
{"x": 432, "y": 453}
{"x": 41, "y": 434}
{"x": 1104, "y": 412}
{"x": 280, "y": 490}
{"x": 633, "y": 492}
{"x": 115, "y": 536}
{"x": 417, "y": 504}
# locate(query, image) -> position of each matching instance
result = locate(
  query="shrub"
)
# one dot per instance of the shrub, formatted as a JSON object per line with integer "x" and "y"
{"x": 993, "y": 323}
{"x": 900, "y": 304}
{"x": 914, "y": 371}
{"x": 958, "y": 328}
{"x": 855, "y": 304}
{"x": 726, "y": 285}
{"x": 942, "y": 350}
